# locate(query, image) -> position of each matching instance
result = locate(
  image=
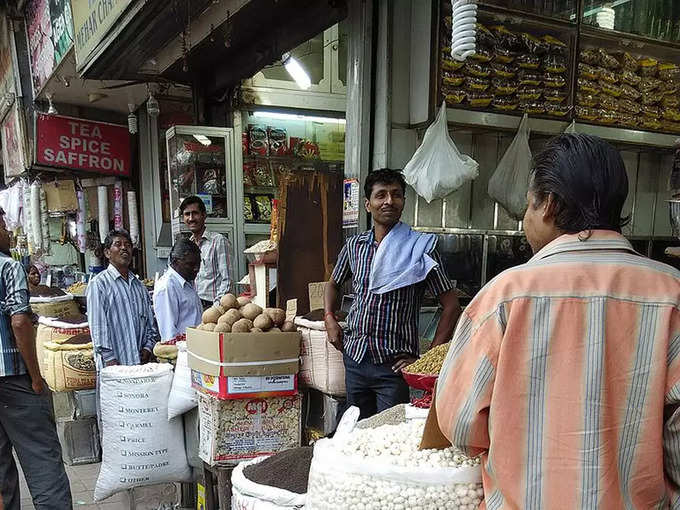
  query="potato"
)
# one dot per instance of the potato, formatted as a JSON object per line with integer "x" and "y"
{"x": 223, "y": 327}
{"x": 277, "y": 315}
{"x": 256, "y": 330}
{"x": 209, "y": 327}
{"x": 242, "y": 326}
{"x": 165, "y": 350}
{"x": 211, "y": 315}
{"x": 220, "y": 308}
{"x": 230, "y": 317}
{"x": 242, "y": 301}
{"x": 263, "y": 322}
{"x": 250, "y": 311}
{"x": 274, "y": 330}
{"x": 288, "y": 327}
{"x": 229, "y": 301}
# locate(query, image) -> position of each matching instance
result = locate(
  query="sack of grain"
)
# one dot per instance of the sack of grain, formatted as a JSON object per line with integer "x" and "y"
{"x": 140, "y": 446}
{"x": 321, "y": 365}
{"x": 59, "y": 307}
{"x": 65, "y": 353}
{"x": 251, "y": 495}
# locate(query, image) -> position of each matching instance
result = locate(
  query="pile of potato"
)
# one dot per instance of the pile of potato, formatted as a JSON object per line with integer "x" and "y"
{"x": 239, "y": 315}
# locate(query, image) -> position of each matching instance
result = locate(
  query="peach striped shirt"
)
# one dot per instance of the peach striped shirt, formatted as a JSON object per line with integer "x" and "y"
{"x": 564, "y": 374}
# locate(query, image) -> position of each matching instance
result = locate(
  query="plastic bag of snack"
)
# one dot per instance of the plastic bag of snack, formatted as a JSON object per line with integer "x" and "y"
{"x": 650, "y": 111}
{"x": 671, "y": 127}
{"x": 450, "y": 65}
{"x": 590, "y": 56}
{"x": 249, "y": 173}
{"x": 629, "y": 62}
{"x": 528, "y": 61}
{"x": 264, "y": 207}
{"x": 651, "y": 123}
{"x": 669, "y": 71}
{"x": 479, "y": 99}
{"x": 607, "y": 117}
{"x": 629, "y": 92}
{"x": 628, "y": 120}
{"x": 557, "y": 109}
{"x": 477, "y": 69}
{"x": 553, "y": 80}
{"x": 506, "y": 38}
{"x": 586, "y": 113}
{"x": 669, "y": 88}
{"x": 651, "y": 98}
{"x": 607, "y": 75}
{"x": 670, "y": 114}
{"x": 248, "y": 214}
{"x": 503, "y": 55}
{"x": 482, "y": 54}
{"x": 670, "y": 101}
{"x": 648, "y": 84}
{"x": 628, "y": 106}
{"x": 278, "y": 141}
{"x": 259, "y": 145}
{"x": 648, "y": 66}
{"x": 610, "y": 88}
{"x": 473, "y": 84}
{"x": 527, "y": 77}
{"x": 504, "y": 103}
{"x": 529, "y": 93}
{"x": 452, "y": 78}
{"x": 587, "y": 71}
{"x": 607, "y": 60}
{"x": 554, "y": 95}
{"x": 503, "y": 70}
{"x": 588, "y": 86}
{"x": 556, "y": 46}
{"x": 554, "y": 64}
{"x": 629, "y": 78}
{"x": 455, "y": 96}
{"x": 532, "y": 107}
{"x": 534, "y": 45}
{"x": 586, "y": 99}
{"x": 609, "y": 103}
{"x": 502, "y": 87}
{"x": 484, "y": 36}
{"x": 263, "y": 175}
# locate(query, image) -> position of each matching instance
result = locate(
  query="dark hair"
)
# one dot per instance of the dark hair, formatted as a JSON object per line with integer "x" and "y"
{"x": 384, "y": 176}
{"x": 182, "y": 248}
{"x": 193, "y": 199}
{"x": 587, "y": 179}
{"x": 108, "y": 241}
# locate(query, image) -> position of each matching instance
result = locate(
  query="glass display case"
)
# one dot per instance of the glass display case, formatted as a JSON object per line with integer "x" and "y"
{"x": 560, "y": 9}
{"x": 655, "y": 19}
{"x": 200, "y": 162}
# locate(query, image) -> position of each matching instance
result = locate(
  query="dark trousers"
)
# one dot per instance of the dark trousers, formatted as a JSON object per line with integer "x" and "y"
{"x": 373, "y": 388}
{"x": 27, "y": 424}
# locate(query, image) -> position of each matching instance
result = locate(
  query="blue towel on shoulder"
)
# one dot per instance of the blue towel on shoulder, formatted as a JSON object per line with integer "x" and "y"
{"x": 401, "y": 259}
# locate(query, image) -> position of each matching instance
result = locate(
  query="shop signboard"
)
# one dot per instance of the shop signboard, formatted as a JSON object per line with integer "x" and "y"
{"x": 92, "y": 20}
{"x": 84, "y": 145}
{"x": 350, "y": 204}
{"x": 13, "y": 143}
{"x": 49, "y": 25}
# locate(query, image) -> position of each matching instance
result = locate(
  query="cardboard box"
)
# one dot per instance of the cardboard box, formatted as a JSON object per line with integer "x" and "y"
{"x": 234, "y": 430}
{"x": 243, "y": 365}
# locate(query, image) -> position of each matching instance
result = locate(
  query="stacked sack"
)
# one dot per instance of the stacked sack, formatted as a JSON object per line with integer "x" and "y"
{"x": 626, "y": 91}
{"x": 509, "y": 72}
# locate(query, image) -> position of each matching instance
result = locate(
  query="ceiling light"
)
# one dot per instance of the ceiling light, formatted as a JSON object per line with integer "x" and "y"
{"x": 296, "y": 71}
{"x": 203, "y": 139}
{"x": 51, "y": 110}
{"x": 292, "y": 116}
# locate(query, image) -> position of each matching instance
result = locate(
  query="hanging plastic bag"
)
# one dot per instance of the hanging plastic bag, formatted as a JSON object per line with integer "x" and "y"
{"x": 509, "y": 183}
{"x": 438, "y": 168}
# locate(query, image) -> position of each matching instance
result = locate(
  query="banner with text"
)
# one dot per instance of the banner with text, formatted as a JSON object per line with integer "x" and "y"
{"x": 84, "y": 145}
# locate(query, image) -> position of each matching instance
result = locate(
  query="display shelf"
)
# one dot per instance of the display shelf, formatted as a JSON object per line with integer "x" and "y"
{"x": 499, "y": 121}
{"x": 257, "y": 228}
{"x": 527, "y": 15}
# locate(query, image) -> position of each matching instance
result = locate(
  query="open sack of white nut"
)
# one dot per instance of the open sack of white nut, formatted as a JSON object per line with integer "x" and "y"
{"x": 382, "y": 467}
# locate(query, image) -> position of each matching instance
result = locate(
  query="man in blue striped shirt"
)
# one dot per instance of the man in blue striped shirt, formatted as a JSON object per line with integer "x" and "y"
{"x": 26, "y": 418}
{"x": 382, "y": 336}
{"x": 119, "y": 309}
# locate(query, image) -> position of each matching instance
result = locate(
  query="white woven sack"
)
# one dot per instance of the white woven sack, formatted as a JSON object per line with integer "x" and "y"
{"x": 182, "y": 395}
{"x": 248, "y": 495}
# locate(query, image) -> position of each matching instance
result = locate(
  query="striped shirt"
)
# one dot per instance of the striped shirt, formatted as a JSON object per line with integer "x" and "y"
{"x": 177, "y": 306}
{"x": 382, "y": 325}
{"x": 13, "y": 300}
{"x": 120, "y": 316}
{"x": 564, "y": 373}
{"x": 213, "y": 280}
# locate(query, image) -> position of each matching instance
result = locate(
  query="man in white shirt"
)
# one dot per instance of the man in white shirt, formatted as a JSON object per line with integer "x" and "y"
{"x": 213, "y": 280}
{"x": 175, "y": 300}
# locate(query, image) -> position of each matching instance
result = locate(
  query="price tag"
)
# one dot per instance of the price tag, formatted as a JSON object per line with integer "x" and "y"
{"x": 291, "y": 309}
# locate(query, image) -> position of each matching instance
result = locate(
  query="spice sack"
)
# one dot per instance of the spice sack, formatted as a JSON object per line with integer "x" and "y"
{"x": 140, "y": 446}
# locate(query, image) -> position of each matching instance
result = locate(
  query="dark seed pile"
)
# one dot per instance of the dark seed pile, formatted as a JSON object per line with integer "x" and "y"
{"x": 287, "y": 470}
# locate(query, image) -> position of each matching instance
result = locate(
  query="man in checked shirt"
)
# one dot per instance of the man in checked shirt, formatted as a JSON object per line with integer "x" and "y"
{"x": 382, "y": 336}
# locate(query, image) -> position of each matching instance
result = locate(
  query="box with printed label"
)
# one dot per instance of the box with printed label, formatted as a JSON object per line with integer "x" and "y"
{"x": 234, "y": 430}
{"x": 243, "y": 365}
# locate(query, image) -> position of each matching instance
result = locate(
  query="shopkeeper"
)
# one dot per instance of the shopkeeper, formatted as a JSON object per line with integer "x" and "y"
{"x": 175, "y": 300}
{"x": 213, "y": 280}
{"x": 391, "y": 266}
{"x": 565, "y": 371}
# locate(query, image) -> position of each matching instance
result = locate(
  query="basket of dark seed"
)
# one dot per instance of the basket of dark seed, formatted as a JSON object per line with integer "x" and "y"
{"x": 277, "y": 482}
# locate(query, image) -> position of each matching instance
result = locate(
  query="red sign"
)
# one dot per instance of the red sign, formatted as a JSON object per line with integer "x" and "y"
{"x": 81, "y": 144}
